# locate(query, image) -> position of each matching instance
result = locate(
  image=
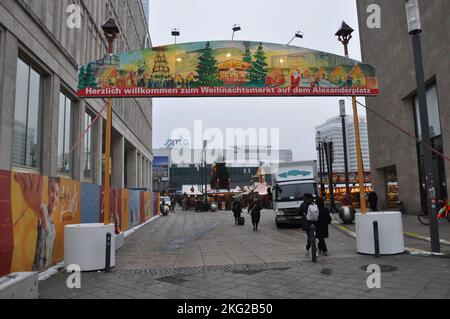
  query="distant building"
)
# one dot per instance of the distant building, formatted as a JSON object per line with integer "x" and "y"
{"x": 331, "y": 130}
{"x": 188, "y": 168}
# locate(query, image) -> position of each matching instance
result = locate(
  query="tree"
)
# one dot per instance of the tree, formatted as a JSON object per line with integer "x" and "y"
{"x": 82, "y": 78}
{"x": 161, "y": 72}
{"x": 220, "y": 177}
{"x": 208, "y": 74}
{"x": 89, "y": 79}
{"x": 247, "y": 55}
{"x": 258, "y": 72}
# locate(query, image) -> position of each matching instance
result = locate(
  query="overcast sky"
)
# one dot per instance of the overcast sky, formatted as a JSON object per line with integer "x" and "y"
{"x": 261, "y": 20}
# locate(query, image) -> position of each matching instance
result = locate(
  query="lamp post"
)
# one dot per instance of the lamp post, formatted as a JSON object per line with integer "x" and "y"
{"x": 344, "y": 35}
{"x": 176, "y": 33}
{"x": 414, "y": 29}
{"x": 298, "y": 34}
{"x": 330, "y": 158}
{"x": 111, "y": 31}
{"x": 236, "y": 28}
{"x": 205, "y": 144}
{"x": 321, "y": 170}
{"x": 344, "y": 139}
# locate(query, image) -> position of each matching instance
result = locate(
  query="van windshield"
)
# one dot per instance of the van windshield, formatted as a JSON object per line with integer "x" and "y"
{"x": 294, "y": 192}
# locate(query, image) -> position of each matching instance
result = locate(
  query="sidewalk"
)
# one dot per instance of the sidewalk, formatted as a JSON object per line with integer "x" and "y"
{"x": 417, "y": 236}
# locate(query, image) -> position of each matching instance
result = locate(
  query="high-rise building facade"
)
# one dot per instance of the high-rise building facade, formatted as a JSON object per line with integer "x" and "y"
{"x": 396, "y": 157}
{"x": 331, "y": 131}
{"x": 42, "y": 121}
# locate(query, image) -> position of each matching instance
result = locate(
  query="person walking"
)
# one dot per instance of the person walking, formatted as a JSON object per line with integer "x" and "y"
{"x": 308, "y": 226}
{"x": 322, "y": 226}
{"x": 237, "y": 210}
{"x": 373, "y": 201}
{"x": 255, "y": 212}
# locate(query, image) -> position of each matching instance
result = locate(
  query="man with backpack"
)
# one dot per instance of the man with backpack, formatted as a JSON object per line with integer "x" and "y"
{"x": 310, "y": 213}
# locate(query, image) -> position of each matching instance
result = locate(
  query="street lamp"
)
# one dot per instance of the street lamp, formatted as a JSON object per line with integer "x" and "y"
{"x": 298, "y": 34}
{"x": 414, "y": 29}
{"x": 110, "y": 31}
{"x": 344, "y": 35}
{"x": 344, "y": 139}
{"x": 321, "y": 169}
{"x": 176, "y": 33}
{"x": 236, "y": 28}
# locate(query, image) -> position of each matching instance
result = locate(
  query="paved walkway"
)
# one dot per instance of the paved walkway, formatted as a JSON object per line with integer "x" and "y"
{"x": 191, "y": 255}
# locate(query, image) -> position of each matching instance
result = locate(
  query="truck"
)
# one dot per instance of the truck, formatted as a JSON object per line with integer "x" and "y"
{"x": 291, "y": 181}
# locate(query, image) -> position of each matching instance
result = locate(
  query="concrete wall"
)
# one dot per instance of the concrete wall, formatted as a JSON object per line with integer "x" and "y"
{"x": 390, "y": 50}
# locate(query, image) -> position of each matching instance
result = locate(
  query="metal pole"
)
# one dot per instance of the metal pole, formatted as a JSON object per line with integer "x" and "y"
{"x": 426, "y": 140}
{"x": 322, "y": 151}
{"x": 361, "y": 176}
{"x": 322, "y": 186}
{"x": 328, "y": 151}
{"x": 344, "y": 138}
{"x": 376, "y": 239}
{"x": 358, "y": 143}
{"x": 108, "y": 149}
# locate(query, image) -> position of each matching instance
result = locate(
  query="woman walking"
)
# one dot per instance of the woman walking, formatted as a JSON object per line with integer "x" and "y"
{"x": 237, "y": 210}
{"x": 308, "y": 226}
{"x": 255, "y": 212}
{"x": 322, "y": 226}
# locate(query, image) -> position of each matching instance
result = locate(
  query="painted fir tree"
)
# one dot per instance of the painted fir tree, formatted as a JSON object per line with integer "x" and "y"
{"x": 89, "y": 78}
{"x": 161, "y": 71}
{"x": 208, "y": 74}
{"x": 247, "y": 55}
{"x": 81, "y": 78}
{"x": 258, "y": 72}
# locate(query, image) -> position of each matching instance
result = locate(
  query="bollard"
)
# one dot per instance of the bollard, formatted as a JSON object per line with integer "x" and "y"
{"x": 313, "y": 246}
{"x": 108, "y": 252}
{"x": 376, "y": 239}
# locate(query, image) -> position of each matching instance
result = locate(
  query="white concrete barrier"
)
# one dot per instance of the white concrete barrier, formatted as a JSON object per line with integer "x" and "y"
{"x": 120, "y": 241}
{"x": 85, "y": 246}
{"x": 390, "y": 230}
{"x": 23, "y": 285}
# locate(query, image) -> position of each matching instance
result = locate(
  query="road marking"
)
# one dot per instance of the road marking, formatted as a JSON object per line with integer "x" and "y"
{"x": 425, "y": 238}
{"x": 411, "y": 251}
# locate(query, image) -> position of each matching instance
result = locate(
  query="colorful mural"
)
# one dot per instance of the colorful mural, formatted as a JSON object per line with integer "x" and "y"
{"x": 90, "y": 193}
{"x": 226, "y": 68}
{"x": 35, "y": 209}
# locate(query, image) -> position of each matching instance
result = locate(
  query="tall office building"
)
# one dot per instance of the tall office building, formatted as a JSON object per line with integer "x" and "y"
{"x": 331, "y": 130}
{"x": 146, "y": 5}
{"x": 397, "y": 158}
{"x": 41, "y": 118}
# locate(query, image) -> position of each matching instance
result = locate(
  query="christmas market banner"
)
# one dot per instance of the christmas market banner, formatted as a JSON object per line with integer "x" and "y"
{"x": 226, "y": 68}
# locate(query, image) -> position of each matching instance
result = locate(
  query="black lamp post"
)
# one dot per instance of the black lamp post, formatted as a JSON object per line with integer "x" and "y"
{"x": 236, "y": 28}
{"x": 330, "y": 158}
{"x": 344, "y": 139}
{"x": 176, "y": 33}
{"x": 298, "y": 34}
{"x": 321, "y": 169}
{"x": 415, "y": 28}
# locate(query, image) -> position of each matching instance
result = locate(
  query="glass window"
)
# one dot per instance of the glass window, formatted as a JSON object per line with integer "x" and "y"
{"x": 433, "y": 113}
{"x": 88, "y": 147}
{"x": 27, "y": 116}
{"x": 64, "y": 134}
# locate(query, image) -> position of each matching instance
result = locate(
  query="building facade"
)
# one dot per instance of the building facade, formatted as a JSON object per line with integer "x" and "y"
{"x": 331, "y": 131}
{"x": 397, "y": 158}
{"x": 42, "y": 121}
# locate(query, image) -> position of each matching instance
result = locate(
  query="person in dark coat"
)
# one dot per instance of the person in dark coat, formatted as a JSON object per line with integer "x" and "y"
{"x": 322, "y": 226}
{"x": 237, "y": 210}
{"x": 373, "y": 201}
{"x": 308, "y": 227}
{"x": 255, "y": 212}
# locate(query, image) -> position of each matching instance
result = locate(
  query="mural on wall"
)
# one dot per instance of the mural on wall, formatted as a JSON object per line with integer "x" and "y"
{"x": 134, "y": 208}
{"x": 35, "y": 209}
{"x": 90, "y": 193}
{"x": 6, "y": 223}
{"x": 115, "y": 205}
{"x": 226, "y": 68}
{"x": 41, "y": 207}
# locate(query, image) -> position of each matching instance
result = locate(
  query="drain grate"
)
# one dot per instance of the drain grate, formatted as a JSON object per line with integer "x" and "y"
{"x": 176, "y": 280}
{"x": 384, "y": 268}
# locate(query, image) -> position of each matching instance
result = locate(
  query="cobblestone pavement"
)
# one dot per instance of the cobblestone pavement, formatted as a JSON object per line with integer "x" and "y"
{"x": 204, "y": 255}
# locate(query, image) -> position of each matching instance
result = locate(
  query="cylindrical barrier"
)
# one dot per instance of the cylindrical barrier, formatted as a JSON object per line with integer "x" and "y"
{"x": 376, "y": 238}
{"x": 108, "y": 252}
